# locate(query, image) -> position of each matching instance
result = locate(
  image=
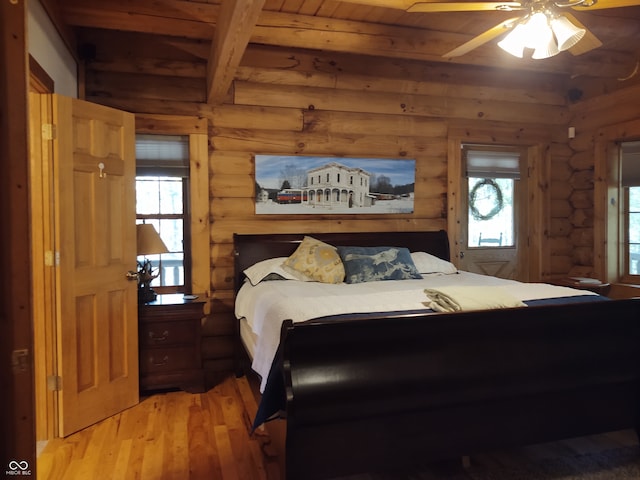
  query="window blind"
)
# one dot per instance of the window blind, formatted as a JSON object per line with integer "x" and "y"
{"x": 492, "y": 164}
{"x": 630, "y": 164}
{"x": 162, "y": 155}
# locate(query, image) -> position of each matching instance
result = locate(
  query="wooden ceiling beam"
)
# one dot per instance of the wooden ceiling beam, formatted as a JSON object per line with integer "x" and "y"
{"x": 178, "y": 19}
{"x": 233, "y": 32}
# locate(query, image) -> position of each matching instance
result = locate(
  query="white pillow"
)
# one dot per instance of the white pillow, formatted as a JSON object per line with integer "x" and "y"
{"x": 427, "y": 263}
{"x": 259, "y": 271}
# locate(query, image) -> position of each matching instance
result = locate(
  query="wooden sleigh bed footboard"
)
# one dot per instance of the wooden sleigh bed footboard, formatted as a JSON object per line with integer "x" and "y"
{"x": 391, "y": 392}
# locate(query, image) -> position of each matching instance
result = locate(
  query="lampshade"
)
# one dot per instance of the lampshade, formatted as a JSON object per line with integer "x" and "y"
{"x": 545, "y": 43}
{"x": 148, "y": 240}
{"x": 515, "y": 41}
{"x": 567, "y": 34}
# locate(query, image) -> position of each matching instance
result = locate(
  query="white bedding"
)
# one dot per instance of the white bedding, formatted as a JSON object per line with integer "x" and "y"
{"x": 266, "y": 305}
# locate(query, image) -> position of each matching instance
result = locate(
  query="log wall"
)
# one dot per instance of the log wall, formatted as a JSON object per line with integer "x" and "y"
{"x": 573, "y": 186}
{"x": 299, "y": 102}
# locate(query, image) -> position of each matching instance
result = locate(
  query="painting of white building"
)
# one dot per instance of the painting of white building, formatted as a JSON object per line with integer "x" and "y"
{"x": 307, "y": 185}
{"x": 338, "y": 185}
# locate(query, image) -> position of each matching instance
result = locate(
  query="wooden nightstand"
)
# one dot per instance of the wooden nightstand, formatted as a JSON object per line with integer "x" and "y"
{"x": 582, "y": 283}
{"x": 169, "y": 343}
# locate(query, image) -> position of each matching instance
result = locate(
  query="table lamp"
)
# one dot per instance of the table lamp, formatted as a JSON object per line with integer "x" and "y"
{"x": 148, "y": 243}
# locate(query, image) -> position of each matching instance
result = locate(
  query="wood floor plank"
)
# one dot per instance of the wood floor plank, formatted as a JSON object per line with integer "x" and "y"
{"x": 225, "y": 452}
{"x": 97, "y": 462}
{"x": 203, "y": 459}
{"x": 121, "y": 468}
{"x": 179, "y": 439}
{"x": 54, "y": 461}
{"x": 152, "y": 461}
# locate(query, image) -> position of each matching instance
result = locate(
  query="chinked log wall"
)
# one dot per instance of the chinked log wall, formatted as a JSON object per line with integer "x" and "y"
{"x": 296, "y": 102}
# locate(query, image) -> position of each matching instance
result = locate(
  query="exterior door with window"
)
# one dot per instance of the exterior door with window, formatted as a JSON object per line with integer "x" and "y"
{"x": 96, "y": 301}
{"x": 493, "y": 212}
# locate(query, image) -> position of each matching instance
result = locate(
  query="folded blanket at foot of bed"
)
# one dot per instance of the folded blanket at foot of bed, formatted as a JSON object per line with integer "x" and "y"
{"x": 461, "y": 298}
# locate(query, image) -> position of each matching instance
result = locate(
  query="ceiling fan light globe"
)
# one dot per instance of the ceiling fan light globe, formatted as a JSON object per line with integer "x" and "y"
{"x": 567, "y": 34}
{"x": 539, "y": 36}
{"x": 544, "y": 44}
{"x": 537, "y": 30}
{"x": 515, "y": 41}
{"x": 547, "y": 50}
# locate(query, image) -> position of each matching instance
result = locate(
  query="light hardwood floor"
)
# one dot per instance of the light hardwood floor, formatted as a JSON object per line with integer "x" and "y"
{"x": 174, "y": 435}
{"x": 185, "y": 436}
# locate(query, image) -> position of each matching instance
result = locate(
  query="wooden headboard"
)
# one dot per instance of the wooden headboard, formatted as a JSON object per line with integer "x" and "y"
{"x": 252, "y": 248}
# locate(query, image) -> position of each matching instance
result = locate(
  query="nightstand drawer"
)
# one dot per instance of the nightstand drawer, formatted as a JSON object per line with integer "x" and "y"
{"x": 168, "y": 333}
{"x": 164, "y": 360}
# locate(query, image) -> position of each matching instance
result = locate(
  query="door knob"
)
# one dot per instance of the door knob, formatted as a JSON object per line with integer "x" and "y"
{"x": 132, "y": 275}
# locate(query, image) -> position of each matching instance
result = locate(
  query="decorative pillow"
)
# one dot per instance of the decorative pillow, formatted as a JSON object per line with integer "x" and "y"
{"x": 368, "y": 264}
{"x": 317, "y": 260}
{"x": 269, "y": 269}
{"x": 427, "y": 263}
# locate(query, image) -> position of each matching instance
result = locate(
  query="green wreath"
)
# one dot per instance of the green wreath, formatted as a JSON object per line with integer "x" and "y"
{"x": 499, "y": 201}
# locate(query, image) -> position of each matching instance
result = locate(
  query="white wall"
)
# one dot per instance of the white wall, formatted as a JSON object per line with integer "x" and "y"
{"x": 48, "y": 49}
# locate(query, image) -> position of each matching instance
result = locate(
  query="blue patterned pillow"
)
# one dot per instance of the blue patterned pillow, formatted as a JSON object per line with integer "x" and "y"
{"x": 370, "y": 264}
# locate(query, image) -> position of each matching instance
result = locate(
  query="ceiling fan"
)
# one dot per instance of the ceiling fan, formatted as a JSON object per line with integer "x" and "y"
{"x": 545, "y": 27}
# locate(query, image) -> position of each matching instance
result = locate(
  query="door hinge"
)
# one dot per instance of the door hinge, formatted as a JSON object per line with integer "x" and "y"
{"x": 51, "y": 259}
{"x": 20, "y": 360}
{"x": 54, "y": 383}
{"x": 48, "y": 131}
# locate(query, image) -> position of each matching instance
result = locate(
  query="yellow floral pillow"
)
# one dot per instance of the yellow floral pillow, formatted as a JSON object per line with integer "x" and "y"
{"x": 316, "y": 260}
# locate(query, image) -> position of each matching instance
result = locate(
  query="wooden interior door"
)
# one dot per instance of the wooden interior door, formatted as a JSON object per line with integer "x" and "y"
{"x": 96, "y": 304}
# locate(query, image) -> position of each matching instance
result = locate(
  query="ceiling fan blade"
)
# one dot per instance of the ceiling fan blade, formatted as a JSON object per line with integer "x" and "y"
{"x": 602, "y": 4}
{"x": 482, "y": 38}
{"x": 462, "y": 6}
{"x": 586, "y": 43}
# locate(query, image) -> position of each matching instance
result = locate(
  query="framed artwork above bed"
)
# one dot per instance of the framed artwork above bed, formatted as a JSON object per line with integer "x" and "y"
{"x": 289, "y": 185}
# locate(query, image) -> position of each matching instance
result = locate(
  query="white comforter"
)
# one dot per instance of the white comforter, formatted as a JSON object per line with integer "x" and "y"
{"x": 266, "y": 305}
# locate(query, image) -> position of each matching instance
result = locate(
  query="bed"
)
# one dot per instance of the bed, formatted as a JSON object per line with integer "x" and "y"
{"x": 392, "y": 387}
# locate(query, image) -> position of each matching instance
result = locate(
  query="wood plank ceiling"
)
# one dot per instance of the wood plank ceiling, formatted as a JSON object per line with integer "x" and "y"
{"x": 219, "y": 31}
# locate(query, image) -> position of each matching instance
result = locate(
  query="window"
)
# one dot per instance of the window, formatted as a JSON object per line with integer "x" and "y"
{"x": 633, "y": 231}
{"x": 630, "y": 182}
{"x": 162, "y": 194}
{"x": 491, "y": 176}
{"x": 491, "y": 214}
